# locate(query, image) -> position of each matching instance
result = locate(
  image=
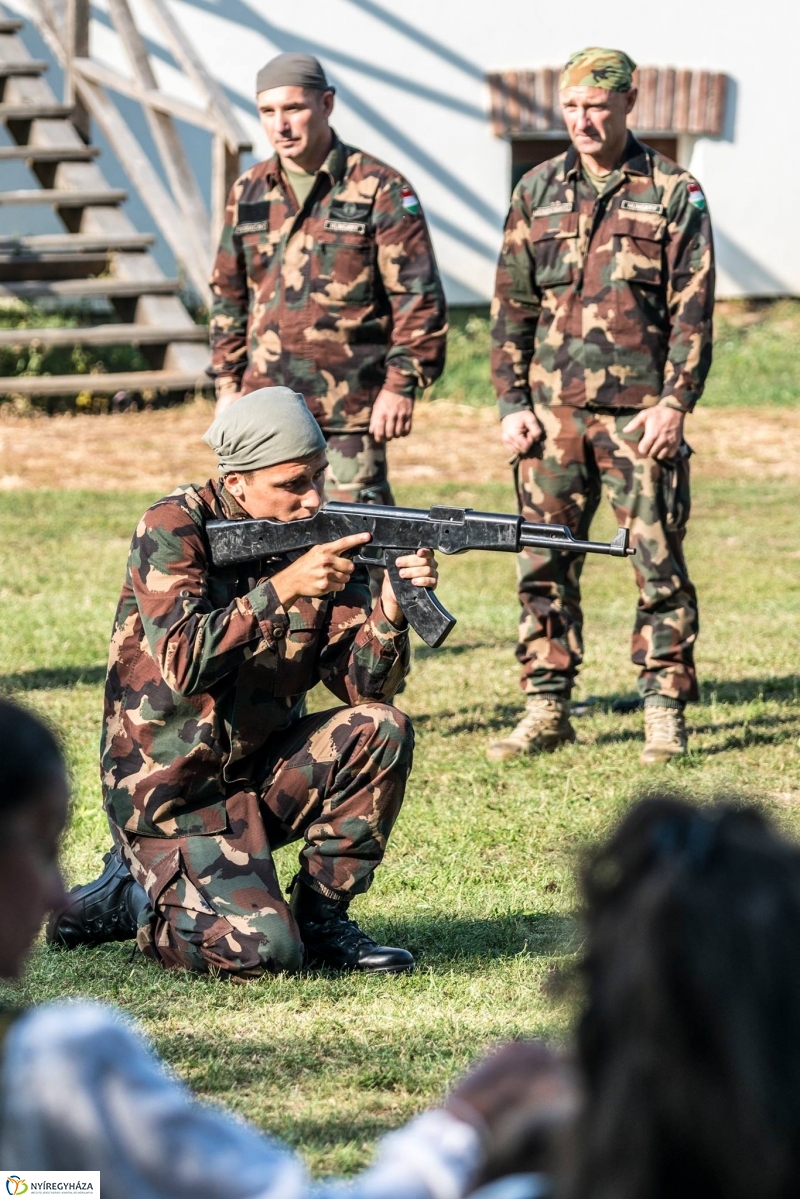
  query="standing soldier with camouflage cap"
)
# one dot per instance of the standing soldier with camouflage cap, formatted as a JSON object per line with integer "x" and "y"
{"x": 601, "y": 345}
{"x": 326, "y": 282}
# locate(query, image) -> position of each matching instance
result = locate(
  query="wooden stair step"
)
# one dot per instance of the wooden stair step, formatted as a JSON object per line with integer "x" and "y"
{"x": 52, "y": 266}
{"x": 103, "y": 335}
{"x": 10, "y": 26}
{"x": 34, "y": 112}
{"x": 25, "y": 66}
{"x": 64, "y": 199}
{"x": 84, "y": 289}
{"x": 48, "y": 153}
{"x": 135, "y": 381}
{"x": 39, "y": 243}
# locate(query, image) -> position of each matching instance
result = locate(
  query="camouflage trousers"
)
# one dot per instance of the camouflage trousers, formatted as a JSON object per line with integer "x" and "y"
{"x": 334, "y": 780}
{"x": 584, "y": 453}
{"x": 357, "y": 469}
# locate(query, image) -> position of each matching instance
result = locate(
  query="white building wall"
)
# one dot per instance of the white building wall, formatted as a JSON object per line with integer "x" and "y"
{"x": 410, "y": 88}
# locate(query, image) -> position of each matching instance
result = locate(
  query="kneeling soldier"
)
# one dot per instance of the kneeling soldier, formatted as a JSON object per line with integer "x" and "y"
{"x": 209, "y": 762}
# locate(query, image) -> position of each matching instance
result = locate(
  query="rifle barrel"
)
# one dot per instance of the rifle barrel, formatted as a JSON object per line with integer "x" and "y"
{"x": 559, "y": 537}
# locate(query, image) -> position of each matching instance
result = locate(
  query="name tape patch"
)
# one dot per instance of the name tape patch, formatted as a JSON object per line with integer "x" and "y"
{"x": 552, "y": 209}
{"x": 345, "y": 227}
{"x": 250, "y": 227}
{"x": 640, "y": 206}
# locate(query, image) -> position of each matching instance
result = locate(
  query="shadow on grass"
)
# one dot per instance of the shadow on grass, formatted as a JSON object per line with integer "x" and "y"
{"x": 759, "y": 730}
{"x": 422, "y": 652}
{"x": 744, "y": 691}
{"x": 45, "y": 679}
{"x": 438, "y": 942}
{"x": 714, "y": 692}
{"x": 467, "y": 941}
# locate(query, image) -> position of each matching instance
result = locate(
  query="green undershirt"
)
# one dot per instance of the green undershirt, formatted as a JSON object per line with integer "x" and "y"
{"x": 301, "y": 183}
{"x": 597, "y": 181}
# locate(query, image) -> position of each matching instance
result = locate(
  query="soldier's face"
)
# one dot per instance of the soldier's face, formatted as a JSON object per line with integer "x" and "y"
{"x": 295, "y": 119}
{"x": 597, "y": 119}
{"x": 288, "y": 491}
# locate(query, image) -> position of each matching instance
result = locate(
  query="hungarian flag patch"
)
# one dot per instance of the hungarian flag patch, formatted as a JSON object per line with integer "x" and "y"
{"x": 696, "y": 196}
{"x": 409, "y": 201}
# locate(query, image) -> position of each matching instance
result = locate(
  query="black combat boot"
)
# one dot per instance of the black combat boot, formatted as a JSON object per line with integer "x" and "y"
{"x": 104, "y": 910}
{"x": 332, "y": 939}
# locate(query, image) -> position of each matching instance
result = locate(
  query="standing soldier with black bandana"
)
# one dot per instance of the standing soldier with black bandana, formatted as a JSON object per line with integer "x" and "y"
{"x": 326, "y": 282}
{"x": 601, "y": 345}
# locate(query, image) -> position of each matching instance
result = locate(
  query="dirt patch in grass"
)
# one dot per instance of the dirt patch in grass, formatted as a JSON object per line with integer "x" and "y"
{"x": 155, "y": 450}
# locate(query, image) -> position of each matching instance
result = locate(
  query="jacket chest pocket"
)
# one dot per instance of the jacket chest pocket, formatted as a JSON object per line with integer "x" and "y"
{"x": 637, "y": 249}
{"x": 346, "y": 269}
{"x": 554, "y": 250}
{"x": 296, "y": 660}
{"x": 259, "y": 255}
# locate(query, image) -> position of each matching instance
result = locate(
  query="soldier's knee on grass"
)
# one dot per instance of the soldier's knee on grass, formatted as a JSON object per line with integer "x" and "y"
{"x": 279, "y": 952}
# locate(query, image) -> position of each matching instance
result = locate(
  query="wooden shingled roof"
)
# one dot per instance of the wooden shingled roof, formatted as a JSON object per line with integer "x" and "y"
{"x": 525, "y": 103}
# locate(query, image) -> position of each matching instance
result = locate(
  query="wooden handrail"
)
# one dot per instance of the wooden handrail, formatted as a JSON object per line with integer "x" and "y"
{"x": 195, "y": 68}
{"x": 95, "y": 72}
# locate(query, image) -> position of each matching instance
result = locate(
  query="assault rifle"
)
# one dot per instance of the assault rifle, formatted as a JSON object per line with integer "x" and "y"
{"x": 396, "y": 532}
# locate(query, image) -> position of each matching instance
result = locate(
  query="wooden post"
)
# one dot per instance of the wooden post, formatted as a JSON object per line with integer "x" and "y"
{"x": 225, "y": 170}
{"x": 184, "y": 187}
{"x": 76, "y": 45}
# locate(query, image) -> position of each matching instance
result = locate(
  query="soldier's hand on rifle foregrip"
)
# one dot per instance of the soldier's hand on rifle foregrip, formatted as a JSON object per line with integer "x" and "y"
{"x": 319, "y": 571}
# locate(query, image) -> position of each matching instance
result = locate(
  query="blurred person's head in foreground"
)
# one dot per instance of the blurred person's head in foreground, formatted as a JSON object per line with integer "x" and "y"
{"x": 33, "y": 812}
{"x": 689, "y": 1042}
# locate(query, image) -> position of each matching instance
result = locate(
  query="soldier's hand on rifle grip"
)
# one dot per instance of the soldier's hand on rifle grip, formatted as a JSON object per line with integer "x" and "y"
{"x": 420, "y": 569}
{"x": 319, "y": 571}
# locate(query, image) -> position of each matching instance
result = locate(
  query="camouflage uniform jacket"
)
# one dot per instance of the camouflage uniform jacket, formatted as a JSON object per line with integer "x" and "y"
{"x": 336, "y": 299}
{"x": 205, "y": 664}
{"x": 604, "y": 300}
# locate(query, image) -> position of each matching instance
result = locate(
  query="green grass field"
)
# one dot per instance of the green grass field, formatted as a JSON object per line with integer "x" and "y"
{"x": 478, "y": 880}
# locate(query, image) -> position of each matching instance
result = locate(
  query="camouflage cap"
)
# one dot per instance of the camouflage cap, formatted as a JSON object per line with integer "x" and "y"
{"x": 598, "y": 67}
{"x": 264, "y": 428}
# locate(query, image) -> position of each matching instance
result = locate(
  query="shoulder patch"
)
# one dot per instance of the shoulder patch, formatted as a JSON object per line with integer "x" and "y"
{"x": 640, "y": 206}
{"x": 696, "y": 196}
{"x": 409, "y": 201}
{"x": 554, "y": 208}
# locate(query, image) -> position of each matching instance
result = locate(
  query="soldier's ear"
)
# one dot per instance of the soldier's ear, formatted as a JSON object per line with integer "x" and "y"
{"x": 235, "y": 484}
{"x": 328, "y": 101}
{"x": 631, "y": 97}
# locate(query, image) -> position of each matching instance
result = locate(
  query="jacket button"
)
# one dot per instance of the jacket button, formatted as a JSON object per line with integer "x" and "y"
{"x": 278, "y": 632}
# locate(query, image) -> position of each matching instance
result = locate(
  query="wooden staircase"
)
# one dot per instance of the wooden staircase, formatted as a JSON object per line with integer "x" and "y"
{"x": 101, "y": 256}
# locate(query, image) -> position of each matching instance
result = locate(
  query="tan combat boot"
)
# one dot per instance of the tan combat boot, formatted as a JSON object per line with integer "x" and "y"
{"x": 664, "y": 734}
{"x": 544, "y": 727}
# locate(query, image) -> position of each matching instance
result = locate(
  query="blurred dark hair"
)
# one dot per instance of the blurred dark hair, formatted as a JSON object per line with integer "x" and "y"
{"x": 30, "y": 756}
{"x": 689, "y": 1043}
